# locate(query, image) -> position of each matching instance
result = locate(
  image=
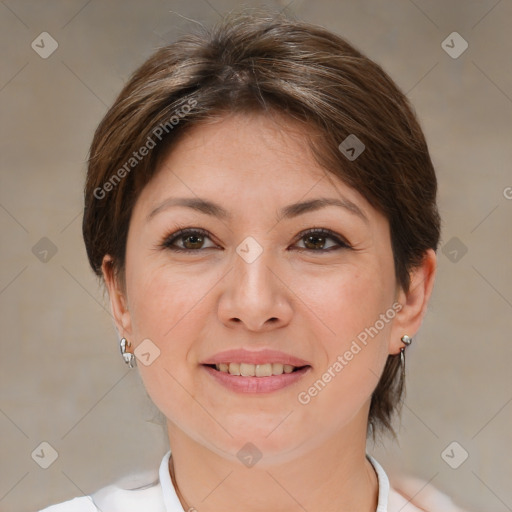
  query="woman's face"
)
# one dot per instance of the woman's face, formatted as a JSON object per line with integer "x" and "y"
{"x": 253, "y": 279}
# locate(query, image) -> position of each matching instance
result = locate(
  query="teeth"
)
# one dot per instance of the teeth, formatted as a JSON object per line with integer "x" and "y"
{"x": 255, "y": 370}
{"x": 277, "y": 368}
{"x": 234, "y": 368}
{"x": 247, "y": 370}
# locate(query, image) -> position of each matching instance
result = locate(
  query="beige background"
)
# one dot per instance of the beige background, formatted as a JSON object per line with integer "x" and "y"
{"x": 62, "y": 378}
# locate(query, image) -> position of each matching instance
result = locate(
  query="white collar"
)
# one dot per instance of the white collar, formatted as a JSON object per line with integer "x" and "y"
{"x": 171, "y": 500}
{"x": 173, "y": 504}
{"x": 382, "y": 502}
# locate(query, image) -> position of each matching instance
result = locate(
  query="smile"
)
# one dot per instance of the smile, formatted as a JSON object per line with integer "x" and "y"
{"x": 255, "y": 378}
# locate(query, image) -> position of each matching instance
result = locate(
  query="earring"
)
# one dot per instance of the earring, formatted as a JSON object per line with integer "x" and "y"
{"x": 129, "y": 357}
{"x": 407, "y": 340}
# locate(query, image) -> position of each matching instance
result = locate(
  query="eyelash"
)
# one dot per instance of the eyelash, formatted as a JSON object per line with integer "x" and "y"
{"x": 182, "y": 233}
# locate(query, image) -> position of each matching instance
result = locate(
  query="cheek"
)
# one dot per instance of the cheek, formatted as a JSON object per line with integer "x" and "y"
{"x": 345, "y": 302}
{"x": 162, "y": 297}
{"x": 354, "y": 315}
{"x": 157, "y": 305}
{"x": 166, "y": 309}
{"x": 168, "y": 306}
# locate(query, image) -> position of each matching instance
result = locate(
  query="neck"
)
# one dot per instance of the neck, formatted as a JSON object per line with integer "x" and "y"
{"x": 333, "y": 477}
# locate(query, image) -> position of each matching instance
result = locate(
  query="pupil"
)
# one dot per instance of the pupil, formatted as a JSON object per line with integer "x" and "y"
{"x": 194, "y": 237}
{"x": 317, "y": 237}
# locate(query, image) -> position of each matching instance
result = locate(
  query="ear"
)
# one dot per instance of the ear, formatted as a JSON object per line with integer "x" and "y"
{"x": 414, "y": 302}
{"x": 118, "y": 299}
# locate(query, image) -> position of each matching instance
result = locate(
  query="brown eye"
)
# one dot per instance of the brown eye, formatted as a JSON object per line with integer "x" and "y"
{"x": 315, "y": 240}
{"x": 192, "y": 240}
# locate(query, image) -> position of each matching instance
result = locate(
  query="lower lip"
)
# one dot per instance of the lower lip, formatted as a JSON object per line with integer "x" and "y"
{"x": 256, "y": 384}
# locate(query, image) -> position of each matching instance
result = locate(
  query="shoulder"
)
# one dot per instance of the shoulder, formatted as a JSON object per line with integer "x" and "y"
{"x": 132, "y": 493}
{"x": 398, "y": 502}
{"x": 408, "y": 494}
{"x": 82, "y": 504}
{"x": 114, "y": 499}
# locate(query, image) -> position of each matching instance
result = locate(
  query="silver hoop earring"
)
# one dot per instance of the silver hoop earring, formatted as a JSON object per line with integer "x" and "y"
{"x": 129, "y": 357}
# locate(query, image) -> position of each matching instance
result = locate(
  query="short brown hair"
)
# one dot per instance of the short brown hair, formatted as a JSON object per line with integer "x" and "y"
{"x": 268, "y": 63}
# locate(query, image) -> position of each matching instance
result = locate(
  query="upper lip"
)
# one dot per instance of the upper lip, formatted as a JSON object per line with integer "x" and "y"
{"x": 264, "y": 356}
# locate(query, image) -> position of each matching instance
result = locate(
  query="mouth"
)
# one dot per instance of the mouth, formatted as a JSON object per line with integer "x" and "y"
{"x": 255, "y": 378}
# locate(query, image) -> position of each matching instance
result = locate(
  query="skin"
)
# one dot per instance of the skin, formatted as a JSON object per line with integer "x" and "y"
{"x": 193, "y": 305}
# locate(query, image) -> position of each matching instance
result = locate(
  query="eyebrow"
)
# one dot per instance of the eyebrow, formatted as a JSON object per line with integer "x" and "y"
{"x": 293, "y": 210}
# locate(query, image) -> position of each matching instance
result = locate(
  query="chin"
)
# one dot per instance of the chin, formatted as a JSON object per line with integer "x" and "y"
{"x": 262, "y": 445}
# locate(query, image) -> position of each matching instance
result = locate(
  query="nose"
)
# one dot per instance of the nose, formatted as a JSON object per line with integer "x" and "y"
{"x": 255, "y": 295}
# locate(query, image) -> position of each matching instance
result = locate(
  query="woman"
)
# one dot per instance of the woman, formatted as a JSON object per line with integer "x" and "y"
{"x": 261, "y": 205}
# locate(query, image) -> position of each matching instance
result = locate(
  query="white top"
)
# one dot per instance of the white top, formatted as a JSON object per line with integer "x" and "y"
{"x": 160, "y": 496}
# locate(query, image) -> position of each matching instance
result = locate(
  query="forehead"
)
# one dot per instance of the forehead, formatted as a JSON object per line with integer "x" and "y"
{"x": 245, "y": 158}
{"x": 246, "y": 146}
